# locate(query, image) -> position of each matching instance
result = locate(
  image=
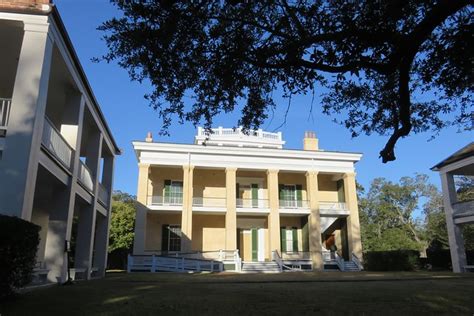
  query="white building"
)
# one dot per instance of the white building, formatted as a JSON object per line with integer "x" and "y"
{"x": 458, "y": 213}
{"x": 56, "y": 151}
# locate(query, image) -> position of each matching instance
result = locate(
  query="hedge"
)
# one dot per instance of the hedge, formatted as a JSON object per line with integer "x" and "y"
{"x": 441, "y": 258}
{"x": 19, "y": 241}
{"x": 395, "y": 260}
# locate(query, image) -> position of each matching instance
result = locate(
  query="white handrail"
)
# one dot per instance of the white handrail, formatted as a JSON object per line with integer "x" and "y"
{"x": 357, "y": 261}
{"x": 339, "y": 261}
{"x": 220, "y": 131}
{"x": 209, "y": 201}
{"x": 54, "y": 142}
{"x": 103, "y": 194}
{"x": 294, "y": 204}
{"x": 85, "y": 176}
{"x": 252, "y": 203}
{"x": 176, "y": 264}
{"x": 5, "y": 106}
{"x": 167, "y": 200}
{"x": 333, "y": 206}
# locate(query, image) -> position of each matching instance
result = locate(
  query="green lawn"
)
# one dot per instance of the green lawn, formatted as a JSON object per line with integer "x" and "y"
{"x": 285, "y": 294}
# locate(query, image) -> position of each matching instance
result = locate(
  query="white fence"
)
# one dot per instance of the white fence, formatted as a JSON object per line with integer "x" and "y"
{"x": 252, "y": 203}
{"x": 294, "y": 204}
{"x": 219, "y": 202}
{"x": 179, "y": 264}
{"x": 54, "y": 142}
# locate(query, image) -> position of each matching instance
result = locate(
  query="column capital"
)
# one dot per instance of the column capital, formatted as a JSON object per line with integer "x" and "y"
{"x": 188, "y": 167}
{"x": 272, "y": 171}
{"x": 143, "y": 165}
{"x": 349, "y": 174}
{"x": 312, "y": 172}
{"x": 230, "y": 169}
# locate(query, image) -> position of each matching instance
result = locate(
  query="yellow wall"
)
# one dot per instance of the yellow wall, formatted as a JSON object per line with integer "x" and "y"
{"x": 158, "y": 176}
{"x": 153, "y": 229}
{"x": 262, "y": 176}
{"x": 208, "y": 232}
{"x": 327, "y": 188}
{"x": 294, "y": 178}
{"x": 209, "y": 183}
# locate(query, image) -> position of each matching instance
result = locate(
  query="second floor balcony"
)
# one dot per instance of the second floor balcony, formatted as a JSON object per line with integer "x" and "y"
{"x": 56, "y": 145}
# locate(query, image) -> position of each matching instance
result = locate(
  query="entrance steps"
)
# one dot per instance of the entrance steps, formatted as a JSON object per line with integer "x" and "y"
{"x": 350, "y": 266}
{"x": 260, "y": 267}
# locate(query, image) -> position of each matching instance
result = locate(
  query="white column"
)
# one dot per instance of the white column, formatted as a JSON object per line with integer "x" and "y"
{"x": 88, "y": 214}
{"x": 103, "y": 222}
{"x": 456, "y": 242}
{"x": 20, "y": 157}
{"x": 142, "y": 210}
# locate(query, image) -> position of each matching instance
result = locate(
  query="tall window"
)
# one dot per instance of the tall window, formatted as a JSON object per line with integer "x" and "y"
{"x": 173, "y": 192}
{"x": 171, "y": 238}
{"x": 288, "y": 195}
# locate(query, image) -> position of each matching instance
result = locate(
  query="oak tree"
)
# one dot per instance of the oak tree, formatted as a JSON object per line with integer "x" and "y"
{"x": 369, "y": 59}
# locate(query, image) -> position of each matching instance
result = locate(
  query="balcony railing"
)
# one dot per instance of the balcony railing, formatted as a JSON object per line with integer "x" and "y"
{"x": 55, "y": 143}
{"x": 167, "y": 200}
{"x": 239, "y": 132}
{"x": 103, "y": 195}
{"x": 294, "y": 204}
{"x": 5, "y": 105}
{"x": 332, "y": 206}
{"x": 210, "y": 202}
{"x": 252, "y": 203}
{"x": 85, "y": 176}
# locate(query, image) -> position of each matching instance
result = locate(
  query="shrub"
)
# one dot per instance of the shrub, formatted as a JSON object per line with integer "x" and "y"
{"x": 19, "y": 241}
{"x": 394, "y": 260}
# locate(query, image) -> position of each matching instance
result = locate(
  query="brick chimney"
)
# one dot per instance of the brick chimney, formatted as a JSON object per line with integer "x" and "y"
{"x": 310, "y": 142}
{"x": 43, "y": 6}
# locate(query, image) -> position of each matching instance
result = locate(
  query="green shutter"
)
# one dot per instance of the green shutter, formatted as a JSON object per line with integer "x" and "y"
{"x": 280, "y": 191}
{"x": 299, "y": 195}
{"x": 164, "y": 237}
{"x": 254, "y": 244}
{"x": 167, "y": 194}
{"x": 237, "y": 189}
{"x": 295, "y": 239}
{"x": 254, "y": 195}
{"x": 305, "y": 234}
{"x": 283, "y": 239}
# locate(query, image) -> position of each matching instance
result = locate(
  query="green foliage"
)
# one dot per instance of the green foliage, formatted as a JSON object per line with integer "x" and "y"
{"x": 369, "y": 56}
{"x": 397, "y": 260}
{"x": 122, "y": 222}
{"x": 19, "y": 241}
{"x": 387, "y": 213}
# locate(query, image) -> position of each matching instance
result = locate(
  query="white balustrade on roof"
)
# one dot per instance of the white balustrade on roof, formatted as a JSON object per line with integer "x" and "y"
{"x": 236, "y": 137}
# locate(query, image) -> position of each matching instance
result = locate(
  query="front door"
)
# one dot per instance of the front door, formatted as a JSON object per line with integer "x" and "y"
{"x": 257, "y": 244}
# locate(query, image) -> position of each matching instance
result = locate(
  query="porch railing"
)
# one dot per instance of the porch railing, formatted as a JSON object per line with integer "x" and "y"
{"x": 294, "y": 204}
{"x": 5, "y": 105}
{"x": 252, "y": 203}
{"x": 218, "y": 202}
{"x": 166, "y": 200}
{"x": 333, "y": 206}
{"x": 55, "y": 143}
{"x": 103, "y": 195}
{"x": 85, "y": 176}
{"x": 357, "y": 261}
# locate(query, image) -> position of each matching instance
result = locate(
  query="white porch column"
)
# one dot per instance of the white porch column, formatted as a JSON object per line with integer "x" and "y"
{"x": 314, "y": 221}
{"x": 19, "y": 164}
{"x": 103, "y": 222}
{"x": 88, "y": 214}
{"x": 187, "y": 213}
{"x": 231, "y": 211}
{"x": 456, "y": 241}
{"x": 353, "y": 225}
{"x": 141, "y": 216}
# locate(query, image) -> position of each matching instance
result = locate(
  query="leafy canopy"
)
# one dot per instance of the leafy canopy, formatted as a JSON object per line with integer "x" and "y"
{"x": 122, "y": 223}
{"x": 367, "y": 57}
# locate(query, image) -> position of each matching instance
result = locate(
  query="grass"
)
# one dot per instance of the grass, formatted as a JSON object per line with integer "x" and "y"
{"x": 281, "y": 294}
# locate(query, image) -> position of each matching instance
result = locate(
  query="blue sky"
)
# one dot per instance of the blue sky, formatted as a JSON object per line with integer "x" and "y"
{"x": 130, "y": 118}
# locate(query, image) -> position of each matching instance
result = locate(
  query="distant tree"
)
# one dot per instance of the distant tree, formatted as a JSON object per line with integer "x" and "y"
{"x": 387, "y": 214}
{"x": 370, "y": 56}
{"x": 122, "y": 223}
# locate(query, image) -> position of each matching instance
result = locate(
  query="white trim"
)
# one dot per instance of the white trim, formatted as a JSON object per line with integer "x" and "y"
{"x": 464, "y": 220}
{"x": 457, "y": 165}
{"x": 244, "y": 158}
{"x": 261, "y": 244}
